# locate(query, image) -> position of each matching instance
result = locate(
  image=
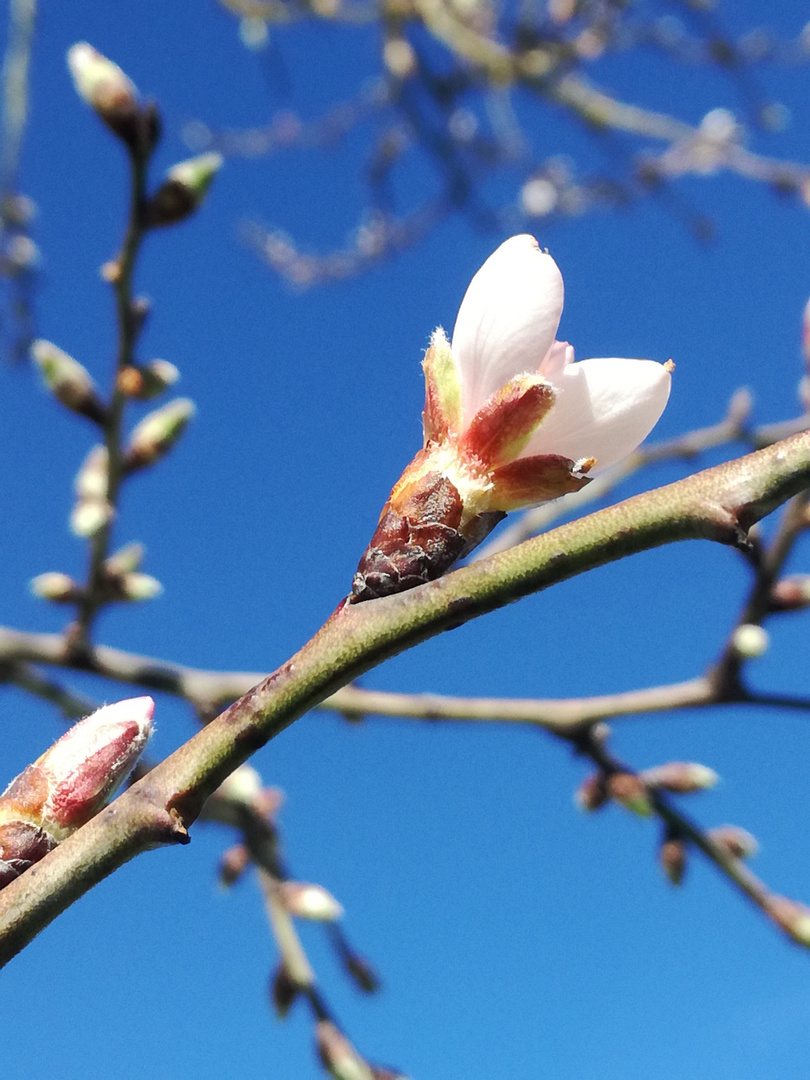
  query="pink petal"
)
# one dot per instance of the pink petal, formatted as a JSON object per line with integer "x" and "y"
{"x": 507, "y": 320}
{"x": 604, "y": 409}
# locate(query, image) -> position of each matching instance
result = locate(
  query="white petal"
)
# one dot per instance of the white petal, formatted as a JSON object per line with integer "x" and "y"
{"x": 604, "y": 409}
{"x": 559, "y": 356}
{"x": 507, "y": 320}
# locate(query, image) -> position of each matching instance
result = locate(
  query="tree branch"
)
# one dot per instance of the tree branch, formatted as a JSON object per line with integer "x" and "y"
{"x": 718, "y": 504}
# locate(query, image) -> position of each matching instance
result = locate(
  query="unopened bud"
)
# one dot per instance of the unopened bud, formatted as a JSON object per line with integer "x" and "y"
{"x": 631, "y": 792}
{"x": 89, "y": 516}
{"x": 147, "y": 381}
{"x": 283, "y": 990}
{"x": 307, "y": 901}
{"x": 68, "y": 381}
{"x": 92, "y": 478}
{"x": 242, "y": 786}
{"x": 735, "y": 841}
{"x": 793, "y": 917}
{"x": 268, "y": 802}
{"x": 680, "y": 777}
{"x": 57, "y": 587}
{"x": 592, "y": 793}
{"x": 157, "y": 433}
{"x": 673, "y": 859}
{"x": 791, "y": 594}
{"x": 750, "y": 641}
{"x": 70, "y": 782}
{"x": 183, "y": 190}
{"x": 125, "y": 560}
{"x": 338, "y": 1056}
{"x": 233, "y": 864}
{"x": 105, "y": 88}
{"x": 137, "y": 587}
{"x": 361, "y": 971}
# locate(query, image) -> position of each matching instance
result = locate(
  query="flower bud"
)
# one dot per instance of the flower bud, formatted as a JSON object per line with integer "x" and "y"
{"x": 242, "y": 786}
{"x": 233, "y": 864}
{"x": 338, "y": 1056}
{"x": 592, "y": 793}
{"x": 106, "y": 89}
{"x": 183, "y": 190}
{"x": 735, "y": 841}
{"x": 70, "y": 782}
{"x": 56, "y": 587}
{"x": 680, "y": 777}
{"x": 125, "y": 560}
{"x": 148, "y": 381}
{"x": 68, "y": 381}
{"x": 92, "y": 478}
{"x": 793, "y": 917}
{"x": 672, "y": 856}
{"x": 309, "y": 901}
{"x": 791, "y": 593}
{"x": 750, "y": 641}
{"x": 283, "y": 990}
{"x": 157, "y": 433}
{"x": 631, "y": 792}
{"x": 137, "y": 587}
{"x": 89, "y": 516}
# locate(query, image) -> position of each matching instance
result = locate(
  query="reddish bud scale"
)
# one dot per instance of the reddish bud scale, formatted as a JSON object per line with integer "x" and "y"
{"x": 592, "y": 793}
{"x": 631, "y": 792}
{"x": 21, "y": 845}
{"x": 673, "y": 859}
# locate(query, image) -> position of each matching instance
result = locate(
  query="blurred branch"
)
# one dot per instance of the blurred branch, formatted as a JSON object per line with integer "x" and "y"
{"x": 719, "y": 504}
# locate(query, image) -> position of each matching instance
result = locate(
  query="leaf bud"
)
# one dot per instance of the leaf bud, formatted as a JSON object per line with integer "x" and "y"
{"x": 157, "y": 433}
{"x": 361, "y": 971}
{"x": 125, "y": 560}
{"x": 592, "y": 793}
{"x": 183, "y": 190}
{"x": 57, "y": 587}
{"x": 680, "y": 777}
{"x": 105, "y": 88}
{"x": 307, "y": 901}
{"x": 791, "y": 916}
{"x": 233, "y": 864}
{"x": 70, "y": 782}
{"x": 92, "y": 478}
{"x": 737, "y": 842}
{"x": 283, "y": 990}
{"x": 631, "y": 792}
{"x": 147, "y": 381}
{"x": 89, "y": 516}
{"x": 68, "y": 381}
{"x": 135, "y": 586}
{"x": 672, "y": 856}
{"x": 338, "y": 1056}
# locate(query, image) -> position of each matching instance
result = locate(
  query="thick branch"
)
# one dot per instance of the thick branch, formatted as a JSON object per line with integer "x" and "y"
{"x": 719, "y": 504}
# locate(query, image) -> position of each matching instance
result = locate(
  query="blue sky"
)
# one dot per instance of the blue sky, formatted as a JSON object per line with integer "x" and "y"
{"x": 514, "y": 937}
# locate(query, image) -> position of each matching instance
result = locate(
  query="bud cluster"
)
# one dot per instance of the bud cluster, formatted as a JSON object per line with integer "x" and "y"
{"x": 70, "y": 783}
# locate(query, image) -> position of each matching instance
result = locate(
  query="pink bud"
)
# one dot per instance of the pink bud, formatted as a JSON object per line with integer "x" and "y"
{"x": 70, "y": 782}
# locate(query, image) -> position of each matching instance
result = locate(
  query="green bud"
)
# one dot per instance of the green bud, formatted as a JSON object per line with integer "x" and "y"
{"x": 68, "y": 381}
{"x": 157, "y": 433}
{"x": 183, "y": 190}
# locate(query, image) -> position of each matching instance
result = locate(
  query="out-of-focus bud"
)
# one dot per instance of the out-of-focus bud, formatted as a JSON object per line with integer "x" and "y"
{"x": 268, "y": 802}
{"x": 242, "y": 786}
{"x": 233, "y": 864}
{"x": 592, "y": 793}
{"x": 70, "y": 782}
{"x": 56, "y": 587}
{"x": 631, "y": 792}
{"x": 673, "y": 859}
{"x": 338, "y": 1056}
{"x": 680, "y": 777}
{"x": 157, "y": 433}
{"x": 146, "y": 382}
{"x": 113, "y": 96}
{"x": 791, "y": 593}
{"x": 68, "y": 381}
{"x": 793, "y": 917}
{"x": 750, "y": 641}
{"x": 735, "y": 841}
{"x": 125, "y": 560}
{"x": 361, "y": 971}
{"x": 137, "y": 587}
{"x": 307, "y": 901}
{"x": 183, "y": 190}
{"x": 283, "y": 991}
{"x": 92, "y": 510}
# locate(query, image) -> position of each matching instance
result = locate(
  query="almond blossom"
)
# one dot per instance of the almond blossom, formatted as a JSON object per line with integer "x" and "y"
{"x": 510, "y": 420}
